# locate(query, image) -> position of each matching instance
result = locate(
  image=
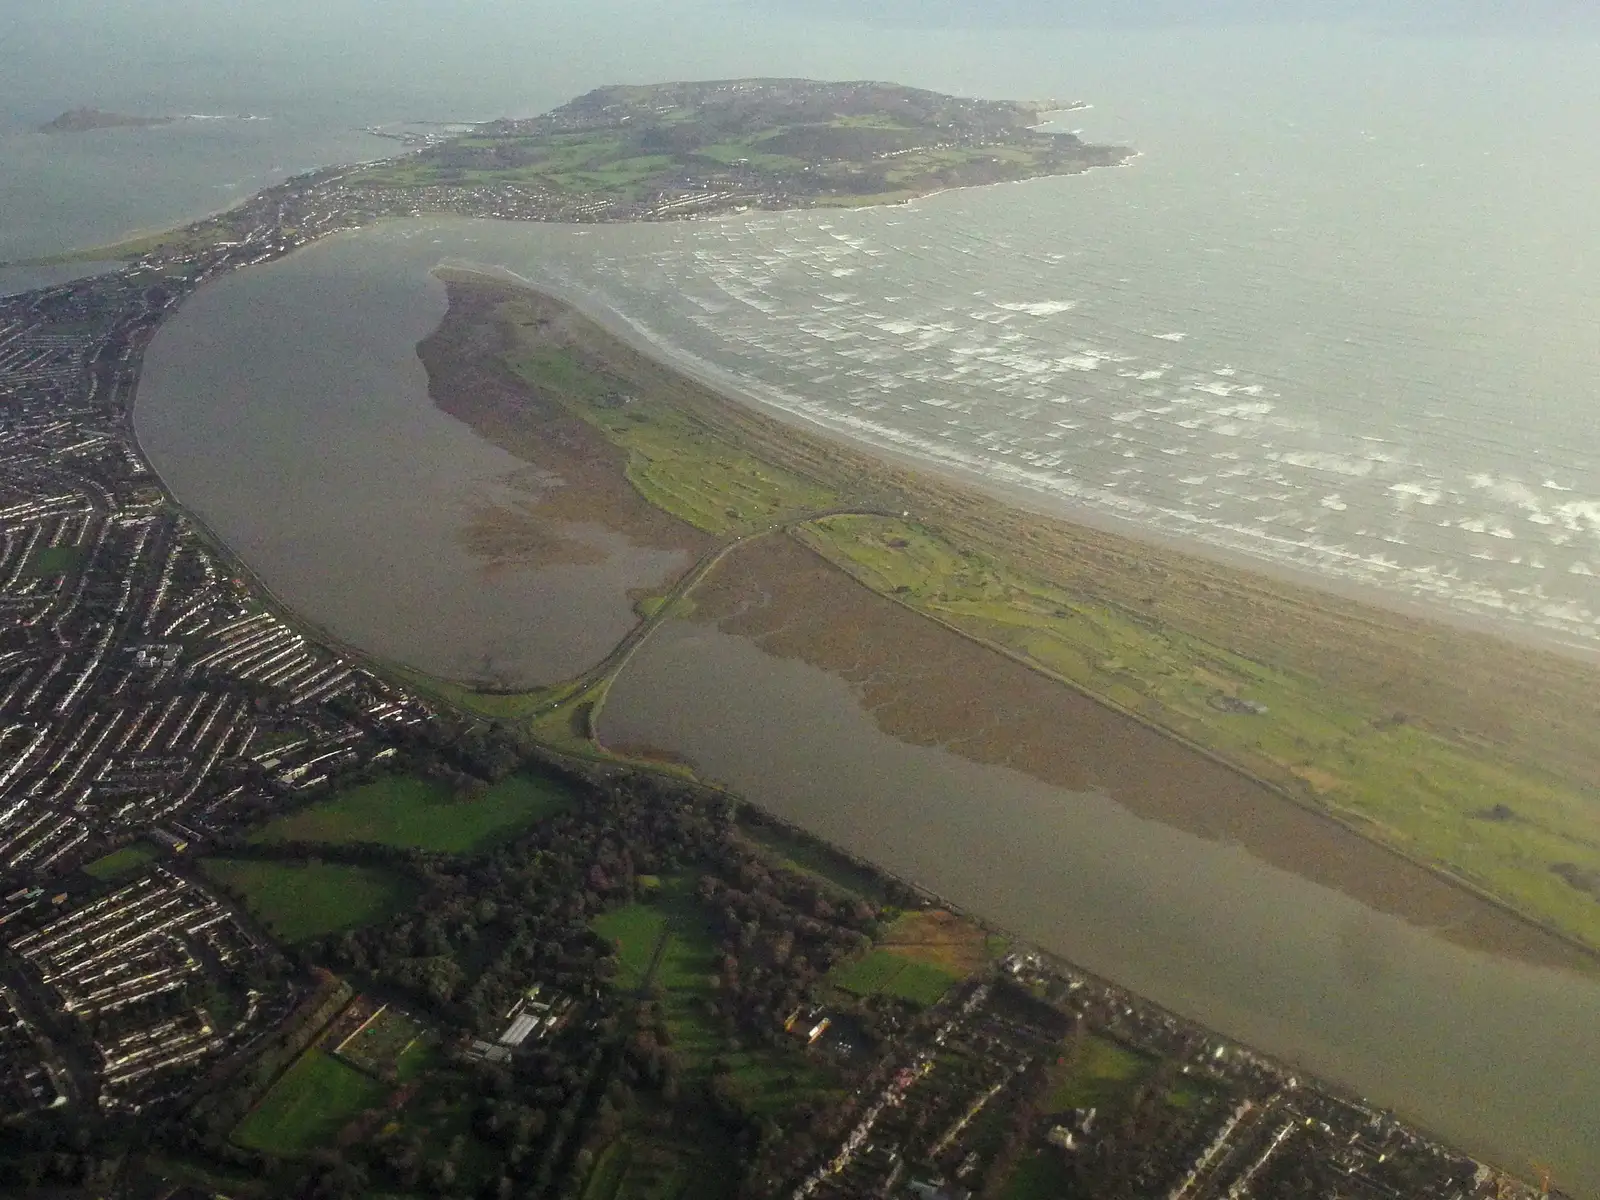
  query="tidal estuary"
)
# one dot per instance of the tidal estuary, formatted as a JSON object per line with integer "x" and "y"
{"x": 287, "y": 405}
{"x": 329, "y": 470}
{"x": 1496, "y": 1055}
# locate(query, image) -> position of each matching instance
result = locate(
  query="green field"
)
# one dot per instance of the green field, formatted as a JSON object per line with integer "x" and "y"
{"x": 634, "y": 931}
{"x": 405, "y": 810}
{"x": 693, "y": 1160}
{"x": 308, "y": 1106}
{"x": 640, "y": 1166}
{"x": 298, "y": 901}
{"x": 54, "y": 560}
{"x": 920, "y": 957}
{"x": 125, "y": 861}
{"x": 884, "y": 973}
{"x": 1100, "y": 1074}
{"x": 1190, "y": 1093}
{"x": 768, "y": 1080}
{"x": 1040, "y": 1176}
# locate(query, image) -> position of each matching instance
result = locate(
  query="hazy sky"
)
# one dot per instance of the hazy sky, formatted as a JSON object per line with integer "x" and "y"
{"x": 1482, "y": 15}
{"x": 472, "y": 59}
{"x": 135, "y": 35}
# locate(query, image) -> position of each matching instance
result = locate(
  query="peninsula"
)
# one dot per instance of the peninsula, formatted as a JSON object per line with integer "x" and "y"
{"x": 775, "y": 143}
{"x": 279, "y": 919}
{"x": 658, "y": 153}
{"x": 82, "y": 120}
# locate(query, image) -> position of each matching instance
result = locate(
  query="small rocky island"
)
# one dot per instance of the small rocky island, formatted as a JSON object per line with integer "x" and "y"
{"x": 82, "y": 120}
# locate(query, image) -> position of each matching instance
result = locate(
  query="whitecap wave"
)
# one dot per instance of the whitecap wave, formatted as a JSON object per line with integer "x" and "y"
{"x": 1040, "y": 308}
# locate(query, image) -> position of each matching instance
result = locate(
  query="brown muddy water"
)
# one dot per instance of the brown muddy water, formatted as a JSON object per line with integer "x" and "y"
{"x": 287, "y": 406}
{"x": 1124, "y": 852}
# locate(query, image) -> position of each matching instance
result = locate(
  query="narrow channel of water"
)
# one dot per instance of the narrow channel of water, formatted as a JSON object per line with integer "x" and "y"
{"x": 1500, "y": 1057}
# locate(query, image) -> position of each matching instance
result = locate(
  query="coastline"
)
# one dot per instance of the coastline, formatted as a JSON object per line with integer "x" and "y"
{"x": 1372, "y": 974}
{"x": 1349, "y": 819}
{"x": 1038, "y": 502}
{"x": 655, "y": 351}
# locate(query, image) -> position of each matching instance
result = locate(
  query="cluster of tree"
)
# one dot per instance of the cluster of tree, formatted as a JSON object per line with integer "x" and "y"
{"x": 780, "y": 932}
{"x": 487, "y": 928}
{"x": 1139, "y": 1147}
{"x": 63, "y": 1148}
{"x": 483, "y": 929}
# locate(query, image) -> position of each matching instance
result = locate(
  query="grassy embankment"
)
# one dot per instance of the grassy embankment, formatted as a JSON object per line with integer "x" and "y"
{"x": 299, "y": 901}
{"x": 809, "y": 856}
{"x": 1462, "y": 751}
{"x": 666, "y": 951}
{"x": 408, "y": 811}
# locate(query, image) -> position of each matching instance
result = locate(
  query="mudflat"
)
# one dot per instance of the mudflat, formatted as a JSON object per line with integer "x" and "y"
{"x": 929, "y": 686}
{"x": 576, "y": 476}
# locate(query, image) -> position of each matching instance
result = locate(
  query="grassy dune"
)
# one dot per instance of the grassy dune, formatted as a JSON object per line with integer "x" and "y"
{"x": 674, "y": 461}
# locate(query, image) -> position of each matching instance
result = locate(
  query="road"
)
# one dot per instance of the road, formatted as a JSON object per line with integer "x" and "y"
{"x": 621, "y": 654}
